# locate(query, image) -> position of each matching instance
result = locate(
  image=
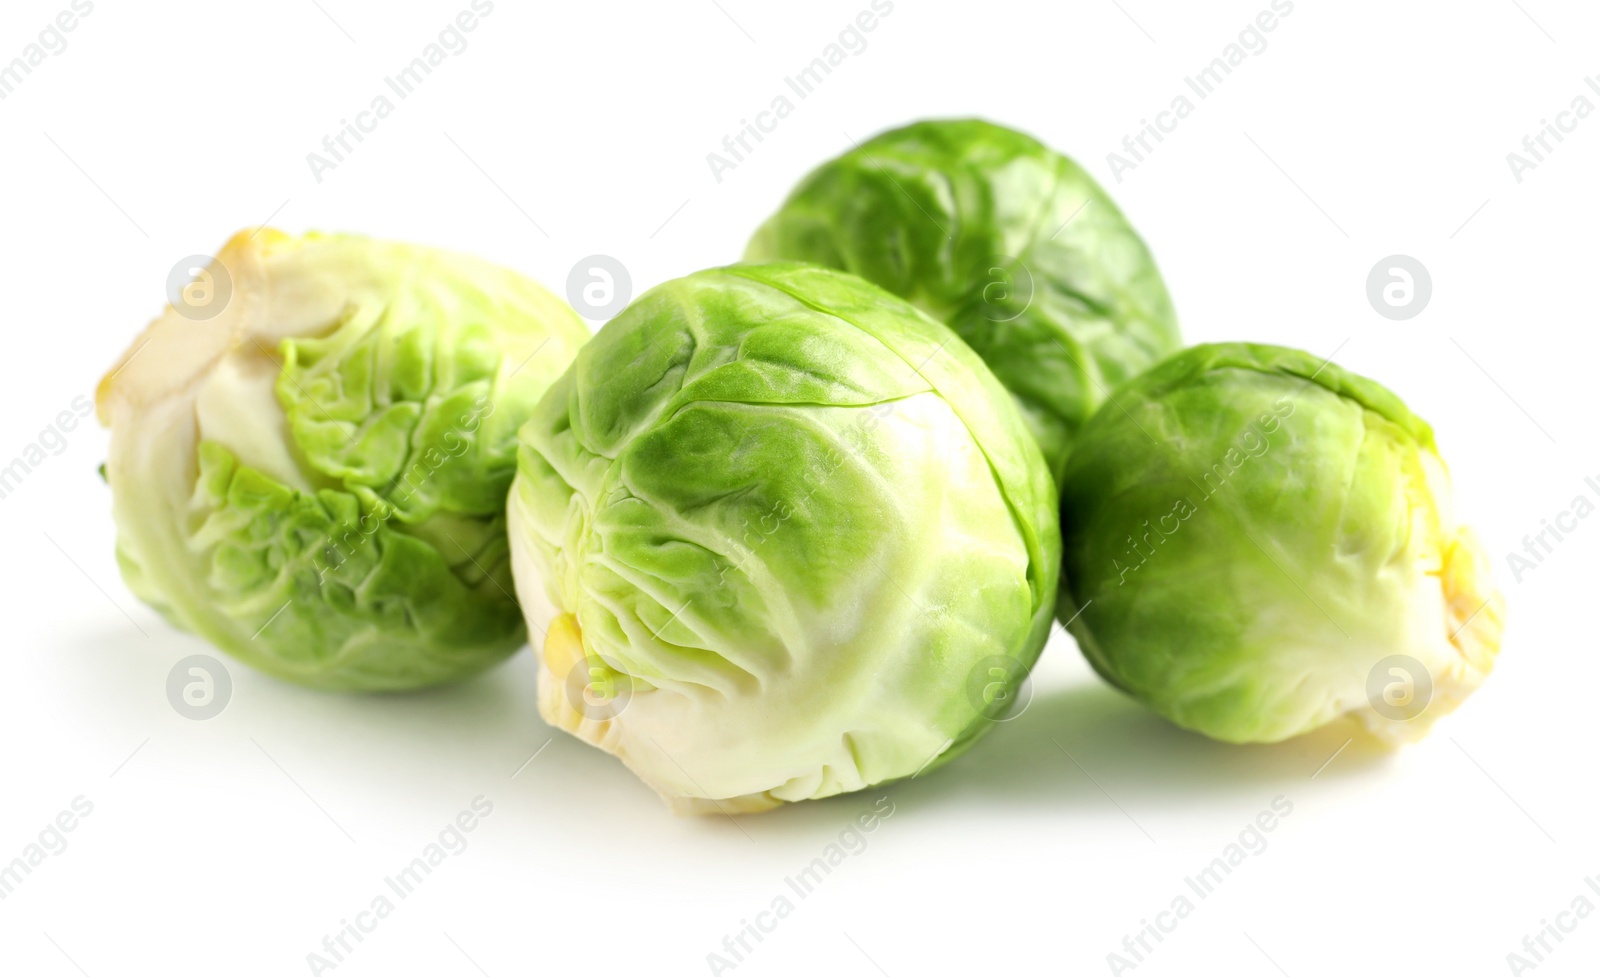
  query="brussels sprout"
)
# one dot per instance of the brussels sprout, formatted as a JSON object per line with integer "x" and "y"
{"x": 1008, "y": 242}
{"x": 1257, "y": 543}
{"x": 310, "y": 454}
{"x": 783, "y": 537}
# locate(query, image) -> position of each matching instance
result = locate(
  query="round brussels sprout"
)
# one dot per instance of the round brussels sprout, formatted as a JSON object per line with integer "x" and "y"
{"x": 311, "y": 449}
{"x": 1258, "y": 543}
{"x": 1008, "y": 242}
{"x": 783, "y": 537}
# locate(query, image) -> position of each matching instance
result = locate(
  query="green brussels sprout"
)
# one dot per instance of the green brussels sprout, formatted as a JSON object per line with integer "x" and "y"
{"x": 784, "y": 537}
{"x": 311, "y": 449}
{"x": 1008, "y": 242}
{"x": 1257, "y": 543}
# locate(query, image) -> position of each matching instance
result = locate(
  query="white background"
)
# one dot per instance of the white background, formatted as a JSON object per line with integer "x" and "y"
{"x": 1364, "y": 129}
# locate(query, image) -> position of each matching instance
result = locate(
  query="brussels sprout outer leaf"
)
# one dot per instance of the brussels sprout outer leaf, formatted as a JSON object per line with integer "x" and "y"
{"x": 788, "y": 515}
{"x": 1251, "y": 532}
{"x": 1009, "y": 243}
